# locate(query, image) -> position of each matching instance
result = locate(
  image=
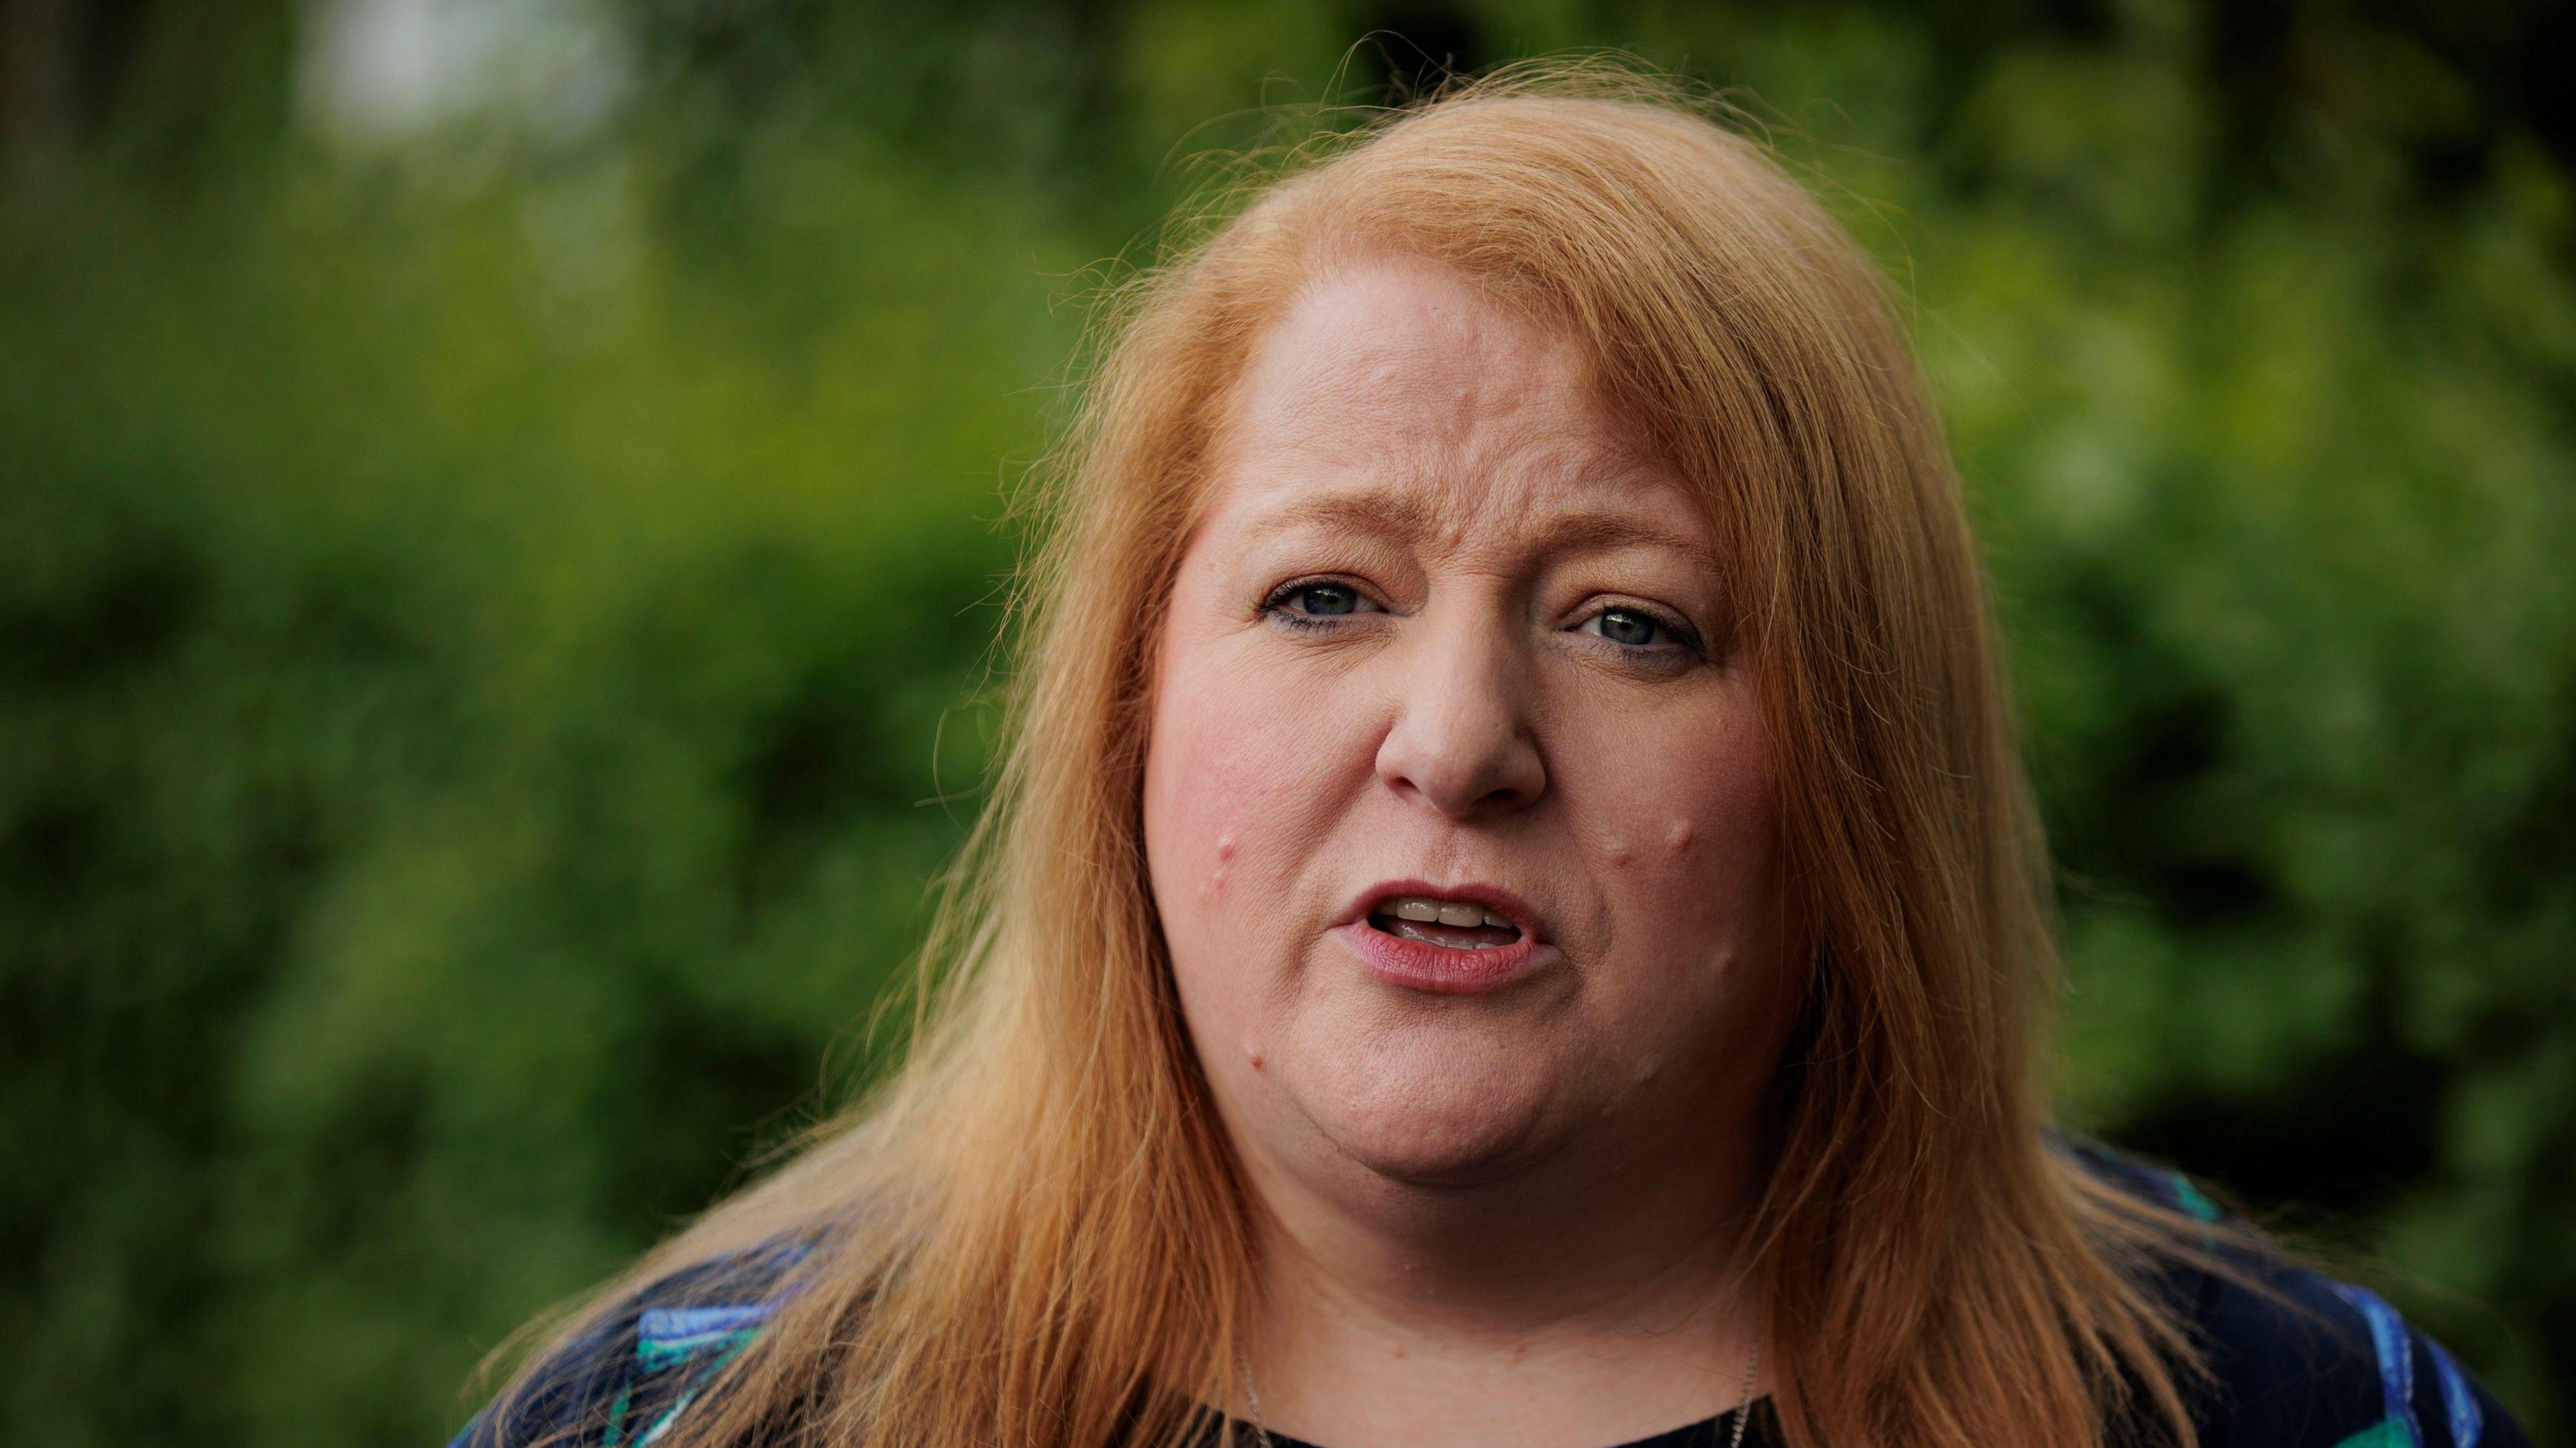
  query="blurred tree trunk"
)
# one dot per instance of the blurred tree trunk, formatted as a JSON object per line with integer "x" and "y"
{"x": 39, "y": 76}
{"x": 184, "y": 81}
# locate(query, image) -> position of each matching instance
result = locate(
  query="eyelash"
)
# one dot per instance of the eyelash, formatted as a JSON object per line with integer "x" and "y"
{"x": 1275, "y": 607}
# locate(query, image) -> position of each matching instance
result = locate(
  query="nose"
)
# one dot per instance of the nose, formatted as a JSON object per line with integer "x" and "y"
{"x": 1460, "y": 741}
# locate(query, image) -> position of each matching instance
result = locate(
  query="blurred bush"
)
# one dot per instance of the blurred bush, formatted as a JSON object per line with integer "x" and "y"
{"x": 497, "y": 546}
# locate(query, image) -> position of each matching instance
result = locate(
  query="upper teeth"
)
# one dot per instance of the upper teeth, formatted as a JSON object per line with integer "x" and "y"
{"x": 1447, "y": 912}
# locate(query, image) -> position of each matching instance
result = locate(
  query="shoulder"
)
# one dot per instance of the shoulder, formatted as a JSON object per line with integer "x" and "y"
{"x": 623, "y": 1379}
{"x": 2298, "y": 1359}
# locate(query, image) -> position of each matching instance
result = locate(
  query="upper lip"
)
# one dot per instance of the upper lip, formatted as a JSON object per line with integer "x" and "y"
{"x": 1468, "y": 892}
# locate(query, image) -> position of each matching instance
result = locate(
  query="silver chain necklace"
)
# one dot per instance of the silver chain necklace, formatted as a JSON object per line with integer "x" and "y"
{"x": 1743, "y": 1405}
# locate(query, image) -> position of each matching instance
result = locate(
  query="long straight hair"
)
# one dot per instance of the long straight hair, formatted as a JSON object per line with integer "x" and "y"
{"x": 1034, "y": 1232}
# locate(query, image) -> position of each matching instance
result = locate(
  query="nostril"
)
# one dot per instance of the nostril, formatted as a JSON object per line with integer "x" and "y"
{"x": 1463, "y": 751}
{"x": 1470, "y": 798}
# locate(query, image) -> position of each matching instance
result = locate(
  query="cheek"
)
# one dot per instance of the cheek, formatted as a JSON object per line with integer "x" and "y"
{"x": 1230, "y": 761}
{"x": 1724, "y": 829}
{"x": 1690, "y": 835}
{"x": 1239, "y": 802}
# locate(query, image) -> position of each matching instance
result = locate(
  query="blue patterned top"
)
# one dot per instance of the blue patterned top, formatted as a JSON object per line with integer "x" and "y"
{"x": 2317, "y": 1363}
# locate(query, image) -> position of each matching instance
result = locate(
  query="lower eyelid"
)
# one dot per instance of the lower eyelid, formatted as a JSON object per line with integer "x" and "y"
{"x": 1314, "y": 622}
{"x": 1659, "y": 659}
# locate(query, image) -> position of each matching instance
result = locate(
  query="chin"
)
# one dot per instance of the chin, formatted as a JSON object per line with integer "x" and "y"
{"x": 1428, "y": 1119}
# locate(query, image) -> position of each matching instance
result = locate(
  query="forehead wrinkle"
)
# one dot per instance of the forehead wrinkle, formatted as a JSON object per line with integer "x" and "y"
{"x": 1454, "y": 426}
{"x": 1338, "y": 375}
{"x": 1344, "y": 427}
{"x": 1402, "y": 514}
{"x": 1592, "y": 531}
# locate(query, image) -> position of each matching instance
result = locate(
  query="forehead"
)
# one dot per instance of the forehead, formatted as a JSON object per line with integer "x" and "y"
{"x": 1396, "y": 381}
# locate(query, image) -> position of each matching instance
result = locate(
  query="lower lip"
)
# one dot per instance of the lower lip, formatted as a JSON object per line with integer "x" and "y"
{"x": 1420, "y": 965}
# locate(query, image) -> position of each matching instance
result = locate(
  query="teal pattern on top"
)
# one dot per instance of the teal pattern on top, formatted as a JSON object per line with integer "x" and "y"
{"x": 2298, "y": 1361}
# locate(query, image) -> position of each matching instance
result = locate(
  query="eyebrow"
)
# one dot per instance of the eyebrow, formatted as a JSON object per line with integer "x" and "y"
{"x": 1399, "y": 515}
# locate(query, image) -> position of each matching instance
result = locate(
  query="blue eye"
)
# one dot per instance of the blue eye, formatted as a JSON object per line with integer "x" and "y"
{"x": 1316, "y": 604}
{"x": 1326, "y": 599}
{"x": 1627, "y": 626}
{"x": 1644, "y": 635}
{"x": 1637, "y": 630}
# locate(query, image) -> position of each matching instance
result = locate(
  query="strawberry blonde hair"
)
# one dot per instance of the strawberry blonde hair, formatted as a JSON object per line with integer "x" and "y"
{"x": 1034, "y": 1232}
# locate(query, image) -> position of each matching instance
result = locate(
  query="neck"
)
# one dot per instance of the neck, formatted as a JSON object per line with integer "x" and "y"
{"x": 1577, "y": 1303}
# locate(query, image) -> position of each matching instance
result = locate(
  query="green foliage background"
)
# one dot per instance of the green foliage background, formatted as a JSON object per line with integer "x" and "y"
{"x": 491, "y": 617}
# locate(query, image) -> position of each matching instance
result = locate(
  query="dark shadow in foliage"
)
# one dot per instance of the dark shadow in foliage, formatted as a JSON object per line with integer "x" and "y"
{"x": 130, "y": 609}
{"x": 713, "y": 1093}
{"x": 1416, "y": 46}
{"x": 2338, "y": 1137}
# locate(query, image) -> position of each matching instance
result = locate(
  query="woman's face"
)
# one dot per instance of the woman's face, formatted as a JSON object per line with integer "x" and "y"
{"x": 1444, "y": 645}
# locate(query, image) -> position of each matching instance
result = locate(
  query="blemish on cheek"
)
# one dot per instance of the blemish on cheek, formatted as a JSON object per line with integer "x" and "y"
{"x": 1252, "y": 1054}
{"x": 1215, "y": 885}
{"x": 1618, "y": 852}
{"x": 1678, "y": 838}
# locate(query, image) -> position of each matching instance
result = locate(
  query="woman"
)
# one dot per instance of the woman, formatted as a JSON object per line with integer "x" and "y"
{"x": 1510, "y": 915}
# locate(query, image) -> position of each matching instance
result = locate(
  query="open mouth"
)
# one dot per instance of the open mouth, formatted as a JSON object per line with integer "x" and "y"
{"x": 1450, "y": 923}
{"x": 1440, "y": 944}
